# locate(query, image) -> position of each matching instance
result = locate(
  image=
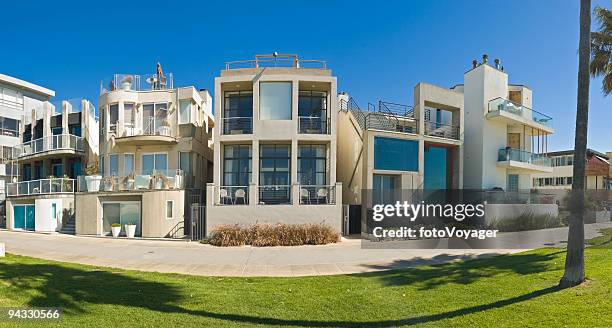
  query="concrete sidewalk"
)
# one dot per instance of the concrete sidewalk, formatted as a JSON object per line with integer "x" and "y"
{"x": 197, "y": 259}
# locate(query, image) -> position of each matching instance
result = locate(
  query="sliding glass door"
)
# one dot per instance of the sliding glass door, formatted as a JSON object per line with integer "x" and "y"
{"x": 122, "y": 213}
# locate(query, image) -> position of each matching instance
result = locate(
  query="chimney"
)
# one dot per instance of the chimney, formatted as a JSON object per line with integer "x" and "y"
{"x": 474, "y": 63}
{"x": 485, "y": 58}
{"x": 496, "y": 61}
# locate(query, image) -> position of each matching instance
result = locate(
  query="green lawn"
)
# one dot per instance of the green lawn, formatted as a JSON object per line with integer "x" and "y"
{"x": 508, "y": 290}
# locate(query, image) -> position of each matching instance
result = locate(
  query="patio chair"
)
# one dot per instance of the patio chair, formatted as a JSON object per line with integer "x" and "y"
{"x": 223, "y": 195}
{"x": 322, "y": 193}
{"x": 240, "y": 194}
{"x": 305, "y": 196}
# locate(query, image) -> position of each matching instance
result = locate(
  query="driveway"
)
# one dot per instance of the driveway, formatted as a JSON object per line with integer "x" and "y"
{"x": 194, "y": 258}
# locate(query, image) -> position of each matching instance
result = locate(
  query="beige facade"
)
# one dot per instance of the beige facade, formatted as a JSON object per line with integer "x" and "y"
{"x": 275, "y": 145}
{"x": 155, "y": 157}
{"x": 435, "y": 121}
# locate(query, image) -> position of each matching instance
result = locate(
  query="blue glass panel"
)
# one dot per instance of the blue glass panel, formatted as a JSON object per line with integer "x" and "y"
{"x": 396, "y": 154}
{"x": 435, "y": 168}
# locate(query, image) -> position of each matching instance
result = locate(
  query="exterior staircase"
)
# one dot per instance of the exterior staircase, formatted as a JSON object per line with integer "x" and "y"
{"x": 68, "y": 227}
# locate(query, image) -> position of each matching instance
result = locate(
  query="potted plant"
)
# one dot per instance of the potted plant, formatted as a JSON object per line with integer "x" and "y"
{"x": 130, "y": 230}
{"x": 116, "y": 229}
{"x": 164, "y": 128}
{"x": 158, "y": 180}
{"x": 129, "y": 181}
{"x": 178, "y": 179}
{"x": 67, "y": 184}
{"x": 92, "y": 179}
{"x": 54, "y": 184}
{"x": 126, "y": 83}
{"x": 108, "y": 183}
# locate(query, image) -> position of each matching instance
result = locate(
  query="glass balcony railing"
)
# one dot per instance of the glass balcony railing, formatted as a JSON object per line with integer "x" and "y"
{"x": 55, "y": 142}
{"x": 441, "y": 130}
{"x": 501, "y": 104}
{"x": 42, "y": 186}
{"x": 137, "y": 82}
{"x": 143, "y": 180}
{"x": 313, "y": 125}
{"x": 276, "y": 60}
{"x": 237, "y": 125}
{"x": 509, "y": 154}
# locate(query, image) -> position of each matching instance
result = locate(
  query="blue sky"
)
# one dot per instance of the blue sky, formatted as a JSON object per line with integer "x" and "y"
{"x": 378, "y": 50}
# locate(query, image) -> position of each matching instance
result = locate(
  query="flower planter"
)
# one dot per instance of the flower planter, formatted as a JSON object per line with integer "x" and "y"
{"x": 93, "y": 182}
{"x": 130, "y": 230}
{"x": 116, "y": 231}
{"x": 178, "y": 181}
{"x": 126, "y": 86}
{"x": 158, "y": 183}
{"x": 129, "y": 184}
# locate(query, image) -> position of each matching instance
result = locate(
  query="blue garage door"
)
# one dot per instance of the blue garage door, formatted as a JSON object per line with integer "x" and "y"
{"x": 23, "y": 217}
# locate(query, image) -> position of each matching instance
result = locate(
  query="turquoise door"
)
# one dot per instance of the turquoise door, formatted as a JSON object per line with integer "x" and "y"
{"x": 19, "y": 217}
{"x": 23, "y": 217}
{"x": 29, "y": 217}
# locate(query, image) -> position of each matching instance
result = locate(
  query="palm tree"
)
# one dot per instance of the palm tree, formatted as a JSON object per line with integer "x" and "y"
{"x": 574, "y": 260}
{"x": 601, "y": 49}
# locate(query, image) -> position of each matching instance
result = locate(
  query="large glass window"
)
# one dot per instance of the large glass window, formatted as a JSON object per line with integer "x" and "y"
{"x": 275, "y": 100}
{"x": 153, "y": 117}
{"x": 312, "y": 165}
{"x": 312, "y": 103}
{"x": 312, "y": 112}
{"x": 238, "y": 112}
{"x": 9, "y": 127}
{"x": 154, "y": 162}
{"x": 238, "y": 104}
{"x": 75, "y": 129}
{"x": 128, "y": 115}
{"x": 385, "y": 188}
{"x": 113, "y": 113}
{"x": 396, "y": 154}
{"x": 113, "y": 164}
{"x": 274, "y": 174}
{"x": 128, "y": 163}
{"x": 237, "y": 165}
{"x": 184, "y": 111}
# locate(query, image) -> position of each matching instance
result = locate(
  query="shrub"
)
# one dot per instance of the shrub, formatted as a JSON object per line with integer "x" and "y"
{"x": 281, "y": 234}
{"x": 527, "y": 221}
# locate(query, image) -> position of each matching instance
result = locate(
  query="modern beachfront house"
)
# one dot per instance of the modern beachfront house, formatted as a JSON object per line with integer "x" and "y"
{"x": 275, "y": 145}
{"x": 17, "y": 98}
{"x": 506, "y": 140}
{"x": 155, "y": 157}
{"x": 57, "y": 142}
{"x": 388, "y": 147}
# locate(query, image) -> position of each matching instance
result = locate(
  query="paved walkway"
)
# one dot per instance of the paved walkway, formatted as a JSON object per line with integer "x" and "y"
{"x": 197, "y": 259}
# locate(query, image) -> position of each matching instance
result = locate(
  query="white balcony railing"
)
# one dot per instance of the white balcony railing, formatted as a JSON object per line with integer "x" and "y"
{"x": 39, "y": 187}
{"x": 55, "y": 142}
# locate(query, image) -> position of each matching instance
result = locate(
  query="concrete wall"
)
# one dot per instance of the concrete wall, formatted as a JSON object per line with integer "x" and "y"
{"x": 271, "y": 214}
{"x": 44, "y": 221}
{"x": 154, "y": 223}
